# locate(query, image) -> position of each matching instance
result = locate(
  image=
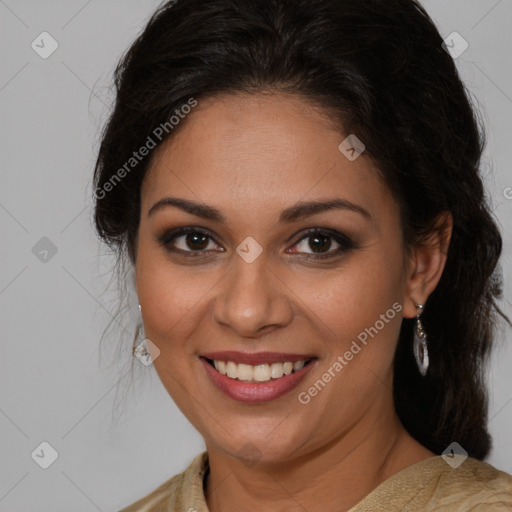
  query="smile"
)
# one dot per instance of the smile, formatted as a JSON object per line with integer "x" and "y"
{"x": 271, "y": 375}
{"x": 257, "y": 373}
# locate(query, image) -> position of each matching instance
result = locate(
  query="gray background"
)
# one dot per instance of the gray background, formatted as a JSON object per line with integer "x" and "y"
{"x": 55, "y": 384}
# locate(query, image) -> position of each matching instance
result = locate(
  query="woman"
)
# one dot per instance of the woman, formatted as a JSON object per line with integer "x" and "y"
{"x": 296, "y": 184}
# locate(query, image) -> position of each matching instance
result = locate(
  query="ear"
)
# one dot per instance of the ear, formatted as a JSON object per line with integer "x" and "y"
{"x": 426, "y": 265}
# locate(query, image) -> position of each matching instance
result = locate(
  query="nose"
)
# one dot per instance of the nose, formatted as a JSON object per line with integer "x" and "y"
{"x": 253, "y": 298}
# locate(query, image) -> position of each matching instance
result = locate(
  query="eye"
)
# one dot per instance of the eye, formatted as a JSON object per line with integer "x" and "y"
{"x": 320, "y": 242}
{"x": 189, "y": 240}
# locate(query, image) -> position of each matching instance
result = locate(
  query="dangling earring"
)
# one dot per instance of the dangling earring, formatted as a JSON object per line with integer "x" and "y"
{"x": 420, "y": 344}
{"x": 140, "y": 348}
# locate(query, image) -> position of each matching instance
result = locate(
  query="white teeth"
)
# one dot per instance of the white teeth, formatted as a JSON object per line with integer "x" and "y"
{"x": 261, "y": 373}
{"x": 258, "y": 373}
{"x": 276, "y": 370}
{"x": 245, "y": 372}
{"x": 231, "y": 370}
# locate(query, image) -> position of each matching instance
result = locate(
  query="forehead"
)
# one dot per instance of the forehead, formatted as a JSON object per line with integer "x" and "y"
{"x": 259, "y": 154}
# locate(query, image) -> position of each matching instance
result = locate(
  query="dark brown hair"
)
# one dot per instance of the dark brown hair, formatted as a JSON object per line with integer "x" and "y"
{"x": 379, "y": 68}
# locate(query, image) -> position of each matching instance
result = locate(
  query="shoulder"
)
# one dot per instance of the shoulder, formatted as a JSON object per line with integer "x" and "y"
{"x": 475, "y": 484}
{"x": 183, "y": 491}
{"x": 157, "y": 500}
{"x": 434, "y": 484}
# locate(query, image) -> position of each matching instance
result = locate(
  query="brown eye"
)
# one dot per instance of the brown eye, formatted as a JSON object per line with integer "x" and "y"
{"x": 189, "y": 240}
{"x": 194, "y": 241}
{"x": 319, "y": 242}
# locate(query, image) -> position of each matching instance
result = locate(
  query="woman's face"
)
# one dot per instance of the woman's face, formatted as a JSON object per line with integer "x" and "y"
{"x": 322, "y": 283}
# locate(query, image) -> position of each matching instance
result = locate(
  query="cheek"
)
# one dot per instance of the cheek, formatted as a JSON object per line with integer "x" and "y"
{"x": 357, "y": 292}
{"x": 170, "y": 298}
{"x": 360, "y": 303}
{"x": 359, "y": 313}
{"x": 172, "y": 302}
{"x": 175, "y": 301}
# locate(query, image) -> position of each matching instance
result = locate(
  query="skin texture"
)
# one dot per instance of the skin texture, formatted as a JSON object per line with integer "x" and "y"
{"x": 252, "y": 156}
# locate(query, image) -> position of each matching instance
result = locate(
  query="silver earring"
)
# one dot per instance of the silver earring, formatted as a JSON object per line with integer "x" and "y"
{"x": 420, "y": 344}
{"x": 143, "y": 349}
{"x": 140, "y": 348}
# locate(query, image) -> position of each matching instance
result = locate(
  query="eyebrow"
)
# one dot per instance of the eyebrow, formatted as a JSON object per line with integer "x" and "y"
{"x": 294, "y": 213}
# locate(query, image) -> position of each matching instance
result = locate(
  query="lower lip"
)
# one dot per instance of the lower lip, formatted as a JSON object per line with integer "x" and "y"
{"x": 255, "y": 392}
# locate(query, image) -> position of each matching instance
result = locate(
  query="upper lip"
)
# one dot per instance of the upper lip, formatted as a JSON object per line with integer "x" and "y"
{"x": 257, "y": 357}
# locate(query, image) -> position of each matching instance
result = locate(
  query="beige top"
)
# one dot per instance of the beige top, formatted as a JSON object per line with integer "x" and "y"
{"x": 427, "y": 486}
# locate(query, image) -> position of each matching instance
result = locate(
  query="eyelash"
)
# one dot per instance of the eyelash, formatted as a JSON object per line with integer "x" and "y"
{"x": 346, "y": 244}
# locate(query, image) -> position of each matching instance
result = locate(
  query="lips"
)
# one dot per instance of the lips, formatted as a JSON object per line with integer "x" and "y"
{"x": 251, "y": 391}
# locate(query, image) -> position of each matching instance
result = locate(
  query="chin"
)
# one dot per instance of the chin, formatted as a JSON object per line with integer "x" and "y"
{"x": 260, "y": 449}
